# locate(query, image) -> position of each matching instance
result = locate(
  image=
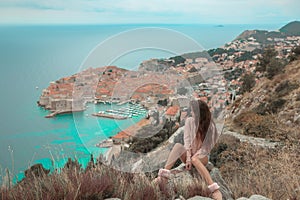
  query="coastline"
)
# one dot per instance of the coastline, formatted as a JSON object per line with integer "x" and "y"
{"x": 59, "y": 112}
{"x": 230, "y": 57}
{"x": 132, "y": 130}
{"x": 121, "y": 136}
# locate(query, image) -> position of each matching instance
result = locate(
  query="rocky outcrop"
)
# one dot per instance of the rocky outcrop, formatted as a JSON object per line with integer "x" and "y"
{"x": 177, "y": 137}
{"x": 156, "y": 158}
{"x": 36, "y": 170}
{"x": 155, "y": 65}
{"x": 181, "y": 174}
{"x": 224, "y": 188}
{"x": 254, "y": 197}
{"x": 262, "y": 142}
{"x": 199, "y": 198}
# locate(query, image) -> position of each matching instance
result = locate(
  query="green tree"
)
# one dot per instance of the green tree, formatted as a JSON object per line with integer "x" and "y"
{"x": 274, "y": 67}
{"x": 248, "y": 82}
{"x": 178, "y": 59}
{"x": 296, "y": 50}
{"x": 266, "y": 58}
{"x": 294, "y": 54}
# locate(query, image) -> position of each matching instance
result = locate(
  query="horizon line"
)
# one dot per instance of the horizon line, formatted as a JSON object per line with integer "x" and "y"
{"x": 146, "y": 23}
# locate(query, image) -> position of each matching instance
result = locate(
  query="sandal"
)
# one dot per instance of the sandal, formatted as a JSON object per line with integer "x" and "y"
{"x": 164, "y": 173}
{"x": 163, "y": 176}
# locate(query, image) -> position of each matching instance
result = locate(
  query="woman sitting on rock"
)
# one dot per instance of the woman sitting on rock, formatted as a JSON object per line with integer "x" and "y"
{"x": 200, "y": 135}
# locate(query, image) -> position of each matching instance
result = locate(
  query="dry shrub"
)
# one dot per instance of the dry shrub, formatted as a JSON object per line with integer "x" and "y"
{"x": 141, "y": 188}
{"x": 272, "y": 173}
{"x": 266, "y": 126}
{"x": 252, "y": 124}
{"x": 94, "y": 186}
{"x": 216, "y": 151}
{"x": 4, "y": 193}
{"x": 285, "y": 87}
{"x": 246, "y": 117}
{"x": 98, "y": 182}
{"x": 273, "y": 106}
{"x": 190, "y": 188}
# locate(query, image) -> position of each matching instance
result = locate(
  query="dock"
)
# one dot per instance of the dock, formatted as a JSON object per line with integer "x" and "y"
{"x": 58, "y": 112}
{"x": 111, "y": 116}
{"x": 105, "y": 144}
{"x": 123, "y": 102}
{"x": 51, "y": 115}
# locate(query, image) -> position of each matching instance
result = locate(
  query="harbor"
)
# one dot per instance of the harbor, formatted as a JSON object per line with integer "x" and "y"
{"x": 111, "y": 116}
{"x": 133, "y": 110}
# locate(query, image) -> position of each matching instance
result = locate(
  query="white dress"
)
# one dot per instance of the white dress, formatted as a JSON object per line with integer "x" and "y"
{"x": 195, "y": 145}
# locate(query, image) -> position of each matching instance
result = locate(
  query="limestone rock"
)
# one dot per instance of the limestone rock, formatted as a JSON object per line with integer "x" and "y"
{"x": 177, "y": 137}
{"x": 258, "y": 197}
{"x": 180, "y": 198}
{"x": 181, "y": 174}
{"x": 156, "y": 158}
{"x": 113, "y": 199}
{"x": 199, "y": 198}
{"x": 209, "y": 166}
{"x": 254, "y": 197}
{"x": 243, "y": 198}
{"x": 297, "y": 119}
{"x": 253, "y": 140}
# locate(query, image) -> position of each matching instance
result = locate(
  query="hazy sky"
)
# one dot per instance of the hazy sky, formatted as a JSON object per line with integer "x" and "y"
{"x": 149, "y": 11}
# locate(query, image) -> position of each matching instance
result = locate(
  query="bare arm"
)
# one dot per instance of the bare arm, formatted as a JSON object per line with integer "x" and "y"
{"x": 187, "y": 137}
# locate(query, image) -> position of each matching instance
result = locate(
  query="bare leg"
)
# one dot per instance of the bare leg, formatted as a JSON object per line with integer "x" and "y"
{"x": 178, "y": 151}
{"x": 199, "y": 164}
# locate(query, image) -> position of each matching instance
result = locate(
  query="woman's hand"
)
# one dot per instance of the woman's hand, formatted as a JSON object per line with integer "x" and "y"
{"x": 217, "y": 195}
{"x": 188, "y": 165}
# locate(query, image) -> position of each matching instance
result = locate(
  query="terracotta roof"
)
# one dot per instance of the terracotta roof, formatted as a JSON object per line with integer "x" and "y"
{"x": 102, "y": 90}
{"x": 136, "y": 96}
{"x": 173, "y": 110}
{"x": 121, "y": 135}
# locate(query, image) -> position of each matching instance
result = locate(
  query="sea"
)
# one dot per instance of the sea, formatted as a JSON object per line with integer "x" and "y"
{"x": 31, "y": 56}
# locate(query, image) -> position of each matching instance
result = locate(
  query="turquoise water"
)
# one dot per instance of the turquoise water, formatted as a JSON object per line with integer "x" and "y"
{"x": 33, "y": 56}
{"x": 68, "y": 135}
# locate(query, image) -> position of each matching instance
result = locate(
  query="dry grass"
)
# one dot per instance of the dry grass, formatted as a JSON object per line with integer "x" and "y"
{"x": 97, "y": 182}
{"x": 251, "y": 170}
{"x": 263, "y": 126}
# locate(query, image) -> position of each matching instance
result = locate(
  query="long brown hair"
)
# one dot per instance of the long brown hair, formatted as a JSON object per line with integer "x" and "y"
{"x": 202, "y": 117}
